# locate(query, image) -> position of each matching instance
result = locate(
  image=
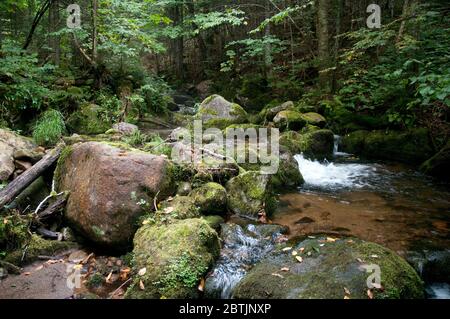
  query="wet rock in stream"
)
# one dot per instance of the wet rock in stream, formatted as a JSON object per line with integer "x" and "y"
{"x": 243, "y": 246}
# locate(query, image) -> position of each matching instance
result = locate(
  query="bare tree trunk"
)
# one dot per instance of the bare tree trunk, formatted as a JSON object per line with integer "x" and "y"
{"x": 37, "y": 18}
{"x": 54, "y": 41}
{"x": 94, "y": 30}
{"x": 323, "y": 49}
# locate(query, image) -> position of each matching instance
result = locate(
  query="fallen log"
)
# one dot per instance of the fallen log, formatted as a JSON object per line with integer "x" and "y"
{"x": 14, "y": 188}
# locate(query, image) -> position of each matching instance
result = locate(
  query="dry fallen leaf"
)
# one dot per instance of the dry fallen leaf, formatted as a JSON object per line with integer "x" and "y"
{"x": 287, "y": 249}
{"x": 169, "y": 210}
{"x": 27, "y": 273}
{"x": 141, "y": 285}
{"x": 85, "y": 260}
{"x": 124, "y": 273}
{"x": 299, "y": 259}
{"x": 346, "y": 297}
{"x": 331, "y": 240}
{"x": 294, "y": 253}
{"x": 142, "y": 271}
{"x": 374, "y": 256}
{"x": 347, "y": 291}
{"x": 360, "y": 260}
{"x": 302, "y": 249}
{"x": 5, "y": 221}
{"x": 39, "y": 268}
{"x": 201, "y": 286}
{"x": 108, "y": 278}
{"x": 145, "y": 222}
{"x": 370, "y": 293}
{"x": 277, "y": 275}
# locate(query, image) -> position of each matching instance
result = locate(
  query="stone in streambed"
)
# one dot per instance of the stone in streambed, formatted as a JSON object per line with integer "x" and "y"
{"x": 175, "y": 257}
{"x": 211, "y": 198}
{"x": 249, "y": 194}
{"x": 106, "y": 185}
{"x": 327, "y": 268}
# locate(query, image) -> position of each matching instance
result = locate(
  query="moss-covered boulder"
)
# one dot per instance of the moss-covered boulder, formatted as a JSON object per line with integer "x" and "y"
{"x": 413, "y": 146}
{"x": 288, "y": 175}
{"x": 215, "y": 111}
{"x": 439, "y": 164}
{"x": 250, "y": 194}
{"x": 317, "y": 144}
{"x": 329, "y": 268}
{"x": 108, "y": 189}
{"x": 291, "y": 141}
{"x": 211, "y": 198}
{"x": 214, "y": 221}
{"x": 88, "y": 120}
{"x": 172, "y": 259}
{"x": 289, "y": 120}
{"x": 271, "y": 112}
{"x": 315, "y": 119}
{"x": 353, "y": 143}
{"x": 179, "y": 207}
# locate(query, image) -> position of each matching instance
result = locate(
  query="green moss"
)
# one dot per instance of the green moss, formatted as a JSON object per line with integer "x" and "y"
{"x": 59, "y": 171}
{"x": 289, "y": 120}
{"x": 354, "y": 142}
{"x": 314, "y": 119}
{"x": 317, "y": 144}
{"x": 180, "y": 207}
{"x": 35, "y": 247}
{"x": 211, "y": 198}
{"x": 176, "y": 257}
{"x": 326, "y": 269}
{"x": 250, "y": 193}
{"x": 291, "y": 141}
{"x": 410, "y": 147}
{"x": 214, "y": 221}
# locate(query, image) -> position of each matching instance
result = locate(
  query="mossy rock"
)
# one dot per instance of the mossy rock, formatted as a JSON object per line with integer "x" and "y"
{"x": 216, "y": 112}
{"x": 211, "y": 198}
{"x": 289, "y": 120}
{"x": 354, "y": 142}
{"x": 291, "y": 141}
{"x": 327, "y": 268}
{"x": 250, "y": 193}
{"x": 175, "y": 256}
{"x": 88, "y": 120}
{"x": 412, "y": 147}
{"x": 439, "y": 164}
{"x": 35, "y": 247}
{"x": 271, "y": 112}
{"x": 214, "y": 221}
{"x": 179, "y": 207}
{"x": 288, "y": 175}
{"x": 232, "y": 128}
{"x": 315, "y": 119}
{"x": 317, "y": 144}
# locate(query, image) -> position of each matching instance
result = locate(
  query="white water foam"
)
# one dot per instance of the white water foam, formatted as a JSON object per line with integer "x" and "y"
{"x": 334, "y": 175}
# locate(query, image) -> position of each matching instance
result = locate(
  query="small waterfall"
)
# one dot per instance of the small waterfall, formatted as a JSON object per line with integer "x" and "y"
{"x": 243, "y": 246}
{"x": 334, "y": 175}
{"x": 336, "y": 153}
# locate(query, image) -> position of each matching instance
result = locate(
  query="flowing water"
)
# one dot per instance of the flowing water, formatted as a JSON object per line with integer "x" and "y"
{"x": 389, "y": 204}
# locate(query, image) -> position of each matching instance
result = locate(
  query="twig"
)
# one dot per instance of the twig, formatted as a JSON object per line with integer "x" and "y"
{"x": 155, "y": 200}
{"x": 120, "y": 287}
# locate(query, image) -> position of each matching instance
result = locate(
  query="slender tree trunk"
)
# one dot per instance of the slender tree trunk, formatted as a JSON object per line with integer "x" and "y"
{"x": 323, "y": 49}
{"x": 178, "y": 43}
{"x": 54, "y": 41}
{"x": 94, "y": 30}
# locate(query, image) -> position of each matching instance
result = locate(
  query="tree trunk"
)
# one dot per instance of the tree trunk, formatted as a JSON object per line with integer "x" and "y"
{"x": 94, "y": 30}
{"x": 23, "y": 181}
{"x": 54, "y": 41}
{"x": 323, "y": 50}
{"x": 176, "y": 13}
